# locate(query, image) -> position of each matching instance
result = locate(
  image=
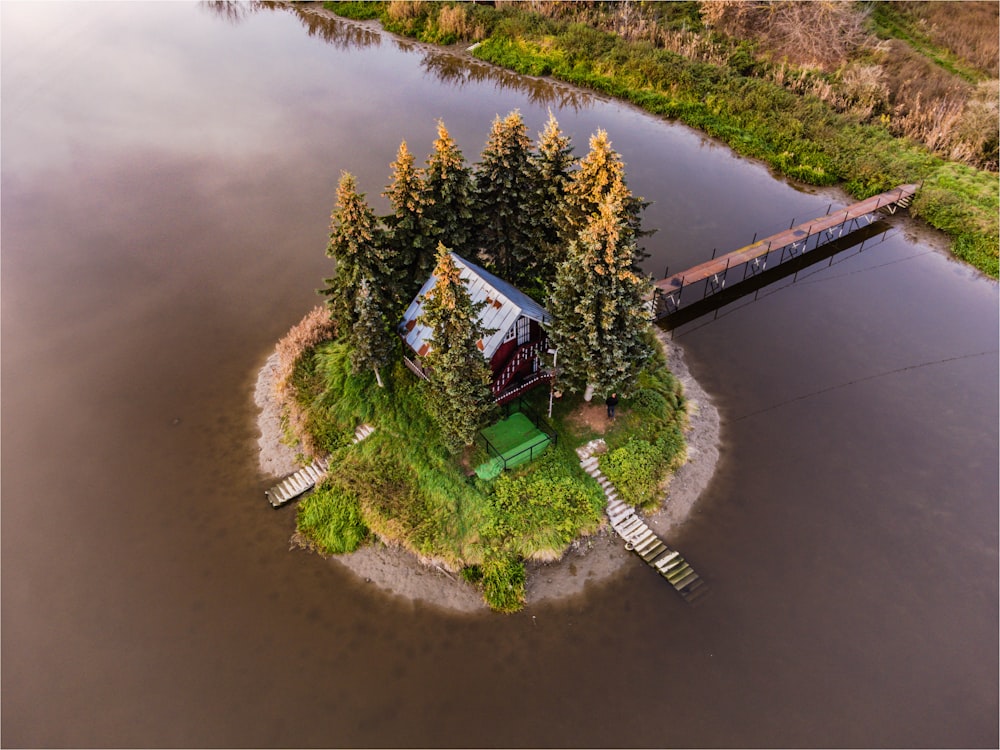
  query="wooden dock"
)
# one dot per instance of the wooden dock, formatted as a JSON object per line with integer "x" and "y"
{"x": 713, "y": 275}
{"x": 639, "y": 538}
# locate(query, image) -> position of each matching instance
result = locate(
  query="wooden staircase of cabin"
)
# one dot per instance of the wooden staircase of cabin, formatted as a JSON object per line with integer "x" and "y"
{"x": 523, "y": 354}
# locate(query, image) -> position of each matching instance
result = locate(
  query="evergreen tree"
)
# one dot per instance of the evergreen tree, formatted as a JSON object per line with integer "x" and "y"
{"x": 600, "y": 171}
{"x": 554, "y": 161}
{"x": 506, "y": 204}
{"x": 459, "y": 376}
{"x": 412, "y": 251}
{"x": 357, "y": 243}
{"x": 599, "y": 319}
{"x": 370, "y": 339}
{"x": 447, "y": 196}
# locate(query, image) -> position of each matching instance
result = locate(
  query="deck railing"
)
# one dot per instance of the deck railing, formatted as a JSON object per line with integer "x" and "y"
{"x": 521, "y": 355}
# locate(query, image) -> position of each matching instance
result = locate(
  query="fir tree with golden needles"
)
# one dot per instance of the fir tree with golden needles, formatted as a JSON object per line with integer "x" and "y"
{"x": 554, "y": 162}
{"x": 357, "y": 243}
{"x": 599, "y": 320}
{"x": 447, "y": 196}
{"x": 406, "y": 230}
{"x": 459, "y": 396}
{"x": 506, "y": 207}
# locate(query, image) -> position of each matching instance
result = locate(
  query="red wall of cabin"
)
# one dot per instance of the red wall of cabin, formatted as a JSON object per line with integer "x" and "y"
{"x": 506, "y": 350}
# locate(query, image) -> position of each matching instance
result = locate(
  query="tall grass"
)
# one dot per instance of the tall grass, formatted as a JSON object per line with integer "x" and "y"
{"x": 403, "y": 486}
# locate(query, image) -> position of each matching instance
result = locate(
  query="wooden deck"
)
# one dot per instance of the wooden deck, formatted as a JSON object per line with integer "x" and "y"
{"x": 639, "y": 538}
{"x": 833, "y": 224}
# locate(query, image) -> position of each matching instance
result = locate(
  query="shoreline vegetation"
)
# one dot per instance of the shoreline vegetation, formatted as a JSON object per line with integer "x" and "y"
{"x": 864, "y": 96}
{"x": 588, "y": 560}
{"x": 404, "y": 487}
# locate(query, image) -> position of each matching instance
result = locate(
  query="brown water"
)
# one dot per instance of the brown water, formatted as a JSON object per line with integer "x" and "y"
{"x": 167, "y": 180}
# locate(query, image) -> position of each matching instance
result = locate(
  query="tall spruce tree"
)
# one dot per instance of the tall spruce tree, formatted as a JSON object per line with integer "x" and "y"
{"x": 447, "y": 196}
{"x": 554, "y": 162}
{"x": 599, "y": 172}
{"x": 599, "y": 319}
{"x": 407, "y": 234}
{"x": 357, "y": 243}
{"x": 459, "y": 377}
{"x": 370, "y": 339}
{"x": 506, "y": 202}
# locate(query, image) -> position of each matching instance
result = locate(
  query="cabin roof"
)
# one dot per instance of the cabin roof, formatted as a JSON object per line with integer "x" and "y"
{"x": 504, "y": 305}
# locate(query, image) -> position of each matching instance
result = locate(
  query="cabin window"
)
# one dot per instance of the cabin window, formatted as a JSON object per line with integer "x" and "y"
{"x": 523, "y": 330}
{"x": 511, "y": 333}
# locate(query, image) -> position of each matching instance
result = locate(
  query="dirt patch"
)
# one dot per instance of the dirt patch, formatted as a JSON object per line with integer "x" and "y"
{"x": 592, "y": 417}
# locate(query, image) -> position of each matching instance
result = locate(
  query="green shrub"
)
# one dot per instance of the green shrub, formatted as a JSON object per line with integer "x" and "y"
{"x": 540, "y": 509}
{"x": 331, "y": 518}
{"x": 472, "y": 574}
{"x": 635, "y": 469}
{"x": 503, "y": 583}
{"x": 650, "y": 402}
{"x": 359, "y": 10}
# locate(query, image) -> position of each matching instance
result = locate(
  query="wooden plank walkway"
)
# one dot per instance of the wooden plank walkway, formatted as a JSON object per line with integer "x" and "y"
{"x": 296, "y": 484}
{"x": 639, "y": 538}
{"x": 303, "y": 480}
{"x": 794, "y": 236}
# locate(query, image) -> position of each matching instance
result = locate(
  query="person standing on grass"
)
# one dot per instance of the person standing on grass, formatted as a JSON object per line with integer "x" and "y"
{"x": 612, "y": 402}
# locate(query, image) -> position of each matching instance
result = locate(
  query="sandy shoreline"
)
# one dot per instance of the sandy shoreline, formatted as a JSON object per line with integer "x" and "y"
{"x": 589, "y": 561}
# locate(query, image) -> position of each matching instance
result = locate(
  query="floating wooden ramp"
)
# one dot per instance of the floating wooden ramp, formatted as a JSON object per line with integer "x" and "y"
{"x": 297, "y": 484}
{"x": 306, "y": 478}
{"x": 639, "y": 538}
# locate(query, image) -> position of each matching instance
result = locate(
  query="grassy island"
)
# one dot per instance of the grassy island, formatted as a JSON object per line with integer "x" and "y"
{"x": 433, "y": 351}
{"x": 862, "y": 95}
{"x": 403, "y": 485}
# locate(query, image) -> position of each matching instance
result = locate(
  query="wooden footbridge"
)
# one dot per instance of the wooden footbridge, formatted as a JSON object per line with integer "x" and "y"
{"x": 639, "y": 538}
{"x": 711, "y": 277}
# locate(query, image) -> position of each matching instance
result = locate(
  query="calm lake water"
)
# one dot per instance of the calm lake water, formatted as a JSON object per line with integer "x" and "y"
{"x": 167, "y": 177}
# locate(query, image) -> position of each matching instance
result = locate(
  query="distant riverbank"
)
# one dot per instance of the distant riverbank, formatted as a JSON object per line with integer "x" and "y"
{"x": 592, "y": 559}
{"x": 796, "y": 135}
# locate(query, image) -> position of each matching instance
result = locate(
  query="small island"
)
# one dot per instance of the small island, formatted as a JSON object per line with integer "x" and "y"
{"x": 471, "y": 340}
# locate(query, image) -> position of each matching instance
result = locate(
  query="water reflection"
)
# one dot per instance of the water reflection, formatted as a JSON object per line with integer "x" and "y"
{"x": 341, "y": 34}
{"x": 232, "y": 10}
{"x": 457, "y": 70}
{"x": 448, "y": 67}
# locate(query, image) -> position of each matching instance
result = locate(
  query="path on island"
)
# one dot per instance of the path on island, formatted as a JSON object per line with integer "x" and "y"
{"x": 639, "y": 538}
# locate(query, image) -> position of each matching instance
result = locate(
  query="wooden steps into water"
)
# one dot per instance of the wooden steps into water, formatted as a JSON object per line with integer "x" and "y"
{"x": 303, "y": 480}
{"x": 297, "y": 484}
{"x": 639, "y": 538}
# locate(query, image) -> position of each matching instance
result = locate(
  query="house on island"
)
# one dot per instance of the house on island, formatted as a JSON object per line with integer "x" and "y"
{"x": 516, "y": 341}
